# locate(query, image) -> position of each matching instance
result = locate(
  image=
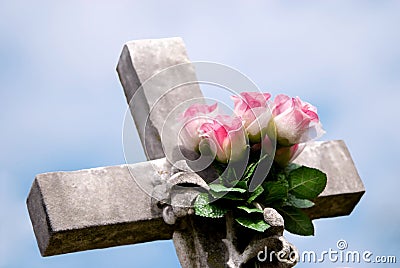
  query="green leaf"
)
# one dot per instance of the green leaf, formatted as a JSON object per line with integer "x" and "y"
{"x": 298, "y": 203}
{"x": 203, "y": 208}
{"x": 275, "y": 190}
{"x": 259, "y": 190}
{"x": 256, "y": 224}
{"x": 296, "y": 221}
{"x": 228, "y": 176}
{"x": 292, "y": 166}
{"x": 242, "y": 185}
{"x": 238, "y": 184}
{"x": 221, "y": 188}
{"x": 227, "y": 195}
{"x": 250, "y": 210}
{"x": 249, "y": 171}
{"x": 306, "y": 182}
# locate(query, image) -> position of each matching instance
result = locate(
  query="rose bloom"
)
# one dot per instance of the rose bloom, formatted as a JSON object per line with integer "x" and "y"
{"x": 296, "y": 121}
{"x": 225, "y": 138}
{"x": 194, "y": 116}
{"x": 283, "y": 155}
{"x": 252, "y": 108}
{"x": 286, "y": 155}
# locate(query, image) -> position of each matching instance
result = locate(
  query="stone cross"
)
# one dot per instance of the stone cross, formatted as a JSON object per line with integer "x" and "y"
{"x": 107, "y": 206}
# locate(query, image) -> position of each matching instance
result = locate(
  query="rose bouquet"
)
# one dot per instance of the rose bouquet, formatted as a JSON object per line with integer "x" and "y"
{"x": 252, "y": 151}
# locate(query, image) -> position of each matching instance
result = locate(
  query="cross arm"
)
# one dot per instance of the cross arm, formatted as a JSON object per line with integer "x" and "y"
{"x": 344, "y": 186}
{"x": 96, "y": 208}
{"x": 104, "y": 207}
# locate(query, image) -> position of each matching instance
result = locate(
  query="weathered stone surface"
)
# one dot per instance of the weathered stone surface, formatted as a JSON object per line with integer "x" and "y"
{"x": 96, "y": 208}
{"x": 344, "y": 187}
{"x": 273, "y": 218}
{"x": 153, "y": 91}
{"x": 104, "y": 207}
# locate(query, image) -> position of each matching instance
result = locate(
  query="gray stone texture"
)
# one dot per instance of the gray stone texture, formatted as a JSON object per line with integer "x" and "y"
{"x": 153, "y": 91}
{"x": 344, "y": 186}
{"x": 96, "y": 208}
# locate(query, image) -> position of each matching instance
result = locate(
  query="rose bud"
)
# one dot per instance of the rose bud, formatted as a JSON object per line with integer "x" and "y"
{"x": 286, "y": 155}
{"x": 225, "y": 137}
{"x": 295, "y": 121}
{"x": 252, "y": 108}
{"x": 193, "y": 118}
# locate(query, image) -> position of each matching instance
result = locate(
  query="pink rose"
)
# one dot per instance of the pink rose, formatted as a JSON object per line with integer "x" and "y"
{"x": 286, "y": 155}
{"x": 194, "y": 116}
{"x": 282, "y": 155}
{"x": 252, "y": 108}
{"x": 295, "y": 121}
{"x": 225, "y": 138}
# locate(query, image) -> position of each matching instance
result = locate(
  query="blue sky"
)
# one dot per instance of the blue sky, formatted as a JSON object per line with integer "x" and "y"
{"x": 62, "y": 107}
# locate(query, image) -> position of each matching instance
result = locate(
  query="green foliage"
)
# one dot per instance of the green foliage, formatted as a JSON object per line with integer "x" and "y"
{"x": 298, "y": 203}
{"x": 288, "y": 190}
{"x": 307, "y": 183}
{"x": 276, "y": 190}
{"x": 227, "y": 195}
{"x": 257, "y": 224}
{"x": 221, "y": 188}
{"x": 248, "y": 173}
{"x": 250, "y": 210}
{"x": 204, "y": 208}
{"x": 221, "y": 191}
{"x": 257, "y": 192}
{"x": 296, "y": 221}
{"x": 242, "y": 184}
